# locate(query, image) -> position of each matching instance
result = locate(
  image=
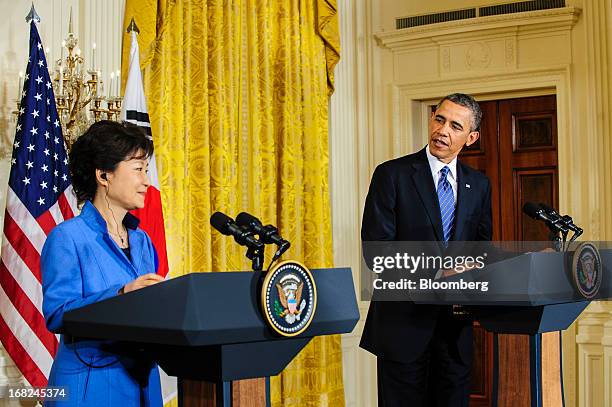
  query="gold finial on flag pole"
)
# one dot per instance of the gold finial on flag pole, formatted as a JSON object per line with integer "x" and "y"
{"x": 133, "y": 27}
{"x": 32, "y": 15}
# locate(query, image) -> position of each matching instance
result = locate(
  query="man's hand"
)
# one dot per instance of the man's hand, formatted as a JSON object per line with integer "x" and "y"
{"x": 141, "y": 282}
{"x": 444, "y": 273}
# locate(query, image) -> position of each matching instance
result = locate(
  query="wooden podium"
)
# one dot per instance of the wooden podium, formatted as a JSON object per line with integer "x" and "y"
{"x": 531, "y": 298}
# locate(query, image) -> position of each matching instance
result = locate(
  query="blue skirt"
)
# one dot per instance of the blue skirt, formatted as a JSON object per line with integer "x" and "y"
{"x": 109, "y": 380}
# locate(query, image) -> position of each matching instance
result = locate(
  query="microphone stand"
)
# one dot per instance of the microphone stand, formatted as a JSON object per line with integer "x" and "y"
{"x": 558, "y": 236}
{"x": 257, "y": 258}
{"x": 558, "y": 241}
{"x": 255, "y": 254}
{"x": 561, "y": 243}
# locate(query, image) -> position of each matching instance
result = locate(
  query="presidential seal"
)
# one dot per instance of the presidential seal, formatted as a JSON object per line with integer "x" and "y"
{"x": 289, "y": 298}
{"x": 587, "y": 269}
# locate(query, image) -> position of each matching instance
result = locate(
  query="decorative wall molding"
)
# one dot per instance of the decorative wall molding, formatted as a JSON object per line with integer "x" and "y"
{"x": 592, "y": 384}
{"x": 412, "y": 114}
{"x": 350, "y": 168}
{"x": 526, "y": 22}
{"x": 478, "y": 56}
{"x": 446, "y": 64}
{"x": 597, "y": 18}
{"x": 497, "y": 44}
{"x": 594, "y": 336}
{"x": 606, "y": 342}
{"x": 343, "y": 181}
{"x": 510, "y": 53}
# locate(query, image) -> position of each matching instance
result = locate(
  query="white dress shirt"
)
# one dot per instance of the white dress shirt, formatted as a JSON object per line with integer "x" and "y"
{"x": 436, "y": 165}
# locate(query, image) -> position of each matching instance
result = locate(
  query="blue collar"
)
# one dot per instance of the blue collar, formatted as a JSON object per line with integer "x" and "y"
{"x": 92, "y": 217}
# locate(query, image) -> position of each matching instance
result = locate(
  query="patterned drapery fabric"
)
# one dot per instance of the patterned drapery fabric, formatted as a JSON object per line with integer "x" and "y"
{"x": 238, "y": 101}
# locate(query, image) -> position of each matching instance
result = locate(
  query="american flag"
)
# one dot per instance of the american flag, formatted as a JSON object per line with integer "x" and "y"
{"x": 39, "y": 197}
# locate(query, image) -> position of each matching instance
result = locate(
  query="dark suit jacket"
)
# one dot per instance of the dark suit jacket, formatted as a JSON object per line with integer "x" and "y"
{"x": 402, "y": 205}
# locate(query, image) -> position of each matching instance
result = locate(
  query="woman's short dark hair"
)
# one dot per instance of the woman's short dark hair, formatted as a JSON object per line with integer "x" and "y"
{"x": 103, "y": 146}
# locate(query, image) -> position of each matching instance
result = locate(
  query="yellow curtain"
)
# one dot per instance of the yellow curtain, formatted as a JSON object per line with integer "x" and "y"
{"x": 238, "y": 98}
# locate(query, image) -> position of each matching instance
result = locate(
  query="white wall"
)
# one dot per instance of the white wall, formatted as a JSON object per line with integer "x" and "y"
{"x": 351, "y": 160}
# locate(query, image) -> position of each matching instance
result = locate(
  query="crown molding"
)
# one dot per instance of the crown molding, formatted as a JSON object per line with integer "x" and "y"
{"x": 558, "y": 19}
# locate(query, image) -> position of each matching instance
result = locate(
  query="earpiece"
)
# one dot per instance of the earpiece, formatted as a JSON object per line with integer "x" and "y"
{"x": 103, "y": 176}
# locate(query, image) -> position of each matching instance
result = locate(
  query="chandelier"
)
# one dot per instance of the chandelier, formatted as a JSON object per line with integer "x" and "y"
{"x": 79, "y": 91}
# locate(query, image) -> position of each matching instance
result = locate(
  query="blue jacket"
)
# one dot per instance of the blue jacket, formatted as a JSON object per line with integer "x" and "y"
{"x": 81, "y": 264}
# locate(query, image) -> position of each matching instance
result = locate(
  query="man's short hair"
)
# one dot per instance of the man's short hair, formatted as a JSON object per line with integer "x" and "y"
{"x": 466, "y": 101}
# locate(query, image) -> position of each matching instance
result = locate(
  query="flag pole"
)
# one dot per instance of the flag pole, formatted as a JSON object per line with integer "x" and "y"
{"x": 133, "y": 27}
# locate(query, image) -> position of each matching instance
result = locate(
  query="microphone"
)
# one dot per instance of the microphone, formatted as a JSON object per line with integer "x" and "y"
{"x": 538, "y": 213}
{"x": 565, "y": 219}
{"x": 535, "y": 211}
{"x": 228, "y": 227}
{"x": 268, "y": 234}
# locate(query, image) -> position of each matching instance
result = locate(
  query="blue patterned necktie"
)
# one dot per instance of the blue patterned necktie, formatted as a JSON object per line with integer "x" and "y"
{"x": 447, "y": 203}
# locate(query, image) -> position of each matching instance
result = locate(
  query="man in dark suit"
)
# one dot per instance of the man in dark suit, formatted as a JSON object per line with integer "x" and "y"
{"x": 424, "y": 352}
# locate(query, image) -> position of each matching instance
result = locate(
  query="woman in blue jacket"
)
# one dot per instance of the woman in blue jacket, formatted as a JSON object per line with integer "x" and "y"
{"x": 97, "y": 255}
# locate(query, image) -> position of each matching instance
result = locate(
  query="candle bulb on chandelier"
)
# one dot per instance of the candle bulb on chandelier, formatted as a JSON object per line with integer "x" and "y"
{"x": 47, "y": 53}
{"x": 110, "y": 85}
{"x": 77, "y": 66}
{"x": 102, "y": 88}
{"x": 93, "y": 56}
{"x": 63, "y": 46}
{"x": 98, "y": 84}
{"x": 19, "y": 89}
{"x": 118, "y": 76}
{"x": 61, "y": 80}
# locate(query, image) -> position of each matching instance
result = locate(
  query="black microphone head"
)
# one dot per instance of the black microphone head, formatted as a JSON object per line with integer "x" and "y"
{"x": 530, "y": 209}
{"x": 221, "y": 222}
{"x": 245, "y": 219}
{"x": 548, "y": 209}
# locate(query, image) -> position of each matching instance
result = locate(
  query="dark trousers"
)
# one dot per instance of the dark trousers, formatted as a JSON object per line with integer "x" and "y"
{"x": 437, "y": 378}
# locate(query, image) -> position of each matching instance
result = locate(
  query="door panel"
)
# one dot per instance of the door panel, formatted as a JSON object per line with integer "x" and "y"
{"x": 528, "y": 160}
{"x": 517, "y": 150}
{"x": 533, "y": 186}
{"x": 484, "y": 156}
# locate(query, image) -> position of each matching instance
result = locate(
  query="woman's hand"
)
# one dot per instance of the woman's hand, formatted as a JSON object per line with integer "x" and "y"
{"x": 142, "y": 281}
